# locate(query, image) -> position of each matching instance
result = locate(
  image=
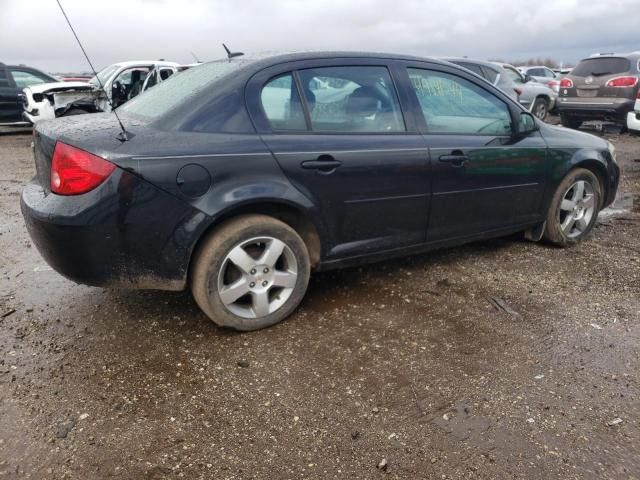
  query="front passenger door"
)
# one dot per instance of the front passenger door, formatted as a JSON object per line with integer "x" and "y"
{"x": 484, "y": 178}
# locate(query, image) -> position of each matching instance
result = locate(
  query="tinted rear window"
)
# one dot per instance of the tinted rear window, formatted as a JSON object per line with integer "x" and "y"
{"x": 601, "y": 66}
{"x": 471, "y": 66}
{"x": 490, "y": 74}
{"x": 179, "y": 88}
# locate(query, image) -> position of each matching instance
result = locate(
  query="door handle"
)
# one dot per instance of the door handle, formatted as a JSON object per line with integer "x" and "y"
{"x": 456, "y": 158}
{"x": 324, "y": 163}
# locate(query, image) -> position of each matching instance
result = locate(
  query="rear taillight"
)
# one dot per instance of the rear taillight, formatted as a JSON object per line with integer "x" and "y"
{"x": 552, "y": 83}
{"x": 620, "y": 82}
{"x": 74, "y": 171}
{"x": 518, "y": 91}
{"x": 566, "y": 83}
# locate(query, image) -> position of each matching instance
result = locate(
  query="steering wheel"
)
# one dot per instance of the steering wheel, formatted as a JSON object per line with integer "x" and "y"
{"x": 122, "y": 91}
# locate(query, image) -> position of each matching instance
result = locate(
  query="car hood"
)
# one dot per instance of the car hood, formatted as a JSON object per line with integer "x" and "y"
{"x": 60, "y": 87}
{"x": 563, "y": 137}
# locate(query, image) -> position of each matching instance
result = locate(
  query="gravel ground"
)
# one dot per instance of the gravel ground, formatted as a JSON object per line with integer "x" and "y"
{"x": 499, "y": 359}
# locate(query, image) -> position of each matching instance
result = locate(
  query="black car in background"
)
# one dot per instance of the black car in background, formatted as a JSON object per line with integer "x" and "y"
{"x": 238, "y": 178}
{"x": 13, "y": 78}
{"x": 601, "y": 87}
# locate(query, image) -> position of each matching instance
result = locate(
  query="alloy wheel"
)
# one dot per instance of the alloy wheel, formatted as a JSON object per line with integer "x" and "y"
{"x": 257, "y": 277}
{"x": 577, "y": 209}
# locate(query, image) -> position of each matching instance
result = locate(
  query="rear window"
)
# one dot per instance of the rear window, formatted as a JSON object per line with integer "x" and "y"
{"x": 601, "y": 66}
{"x": 179, "y": 88}
{"x": 490, "y": 74}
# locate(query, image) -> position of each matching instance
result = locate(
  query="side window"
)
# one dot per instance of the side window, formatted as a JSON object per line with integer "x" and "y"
{"x": 152, "y": 80}
{"x": 514, "y": 75}
{"x": 130, "y": 82}
{"x": 490, "y": 74}
{"x": 473, "y": 67}
{"x": 281, "y": 104}
{"x": 25, "y": 79}
{"x": 451, "y": 104}
{"x": 351, "y": 99}
{"x": 165, "y": 73}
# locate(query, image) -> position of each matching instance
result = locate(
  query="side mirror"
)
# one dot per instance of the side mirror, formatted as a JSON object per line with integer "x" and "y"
{"x": 526, "y": 123}
{"x": 527, "y": 78}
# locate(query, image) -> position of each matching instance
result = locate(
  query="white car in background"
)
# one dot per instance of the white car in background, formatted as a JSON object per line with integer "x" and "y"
{"x": 121, "y": 81}
{"x": 633, "y": 118}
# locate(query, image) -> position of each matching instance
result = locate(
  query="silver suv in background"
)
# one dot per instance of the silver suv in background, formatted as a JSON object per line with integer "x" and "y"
{"x": 536, "y": 97}
{"x": 490, "y": 72}
{"x": 544, "y": 75}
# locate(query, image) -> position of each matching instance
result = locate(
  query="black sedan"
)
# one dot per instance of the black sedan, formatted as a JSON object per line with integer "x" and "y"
{"x": 13, "y": 78}
{"x": 239, "y": 177}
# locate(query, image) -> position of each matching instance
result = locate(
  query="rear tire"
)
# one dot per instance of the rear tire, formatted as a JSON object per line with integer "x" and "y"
{"x": 574, "y": 208}
{"x": 540, "y": 108}
{"x": 569, "y": 121}
{"x": 250, "y": 273}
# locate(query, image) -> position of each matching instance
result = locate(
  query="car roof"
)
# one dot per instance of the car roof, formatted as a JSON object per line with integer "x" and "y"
{"x": 493, "y": 65}
{"x": 630, "y": 56}
{"x": 504, "y": 65}
{"x": 271, "y": 58}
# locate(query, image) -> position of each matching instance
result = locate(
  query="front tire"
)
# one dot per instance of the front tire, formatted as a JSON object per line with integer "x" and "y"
{"x": 574, "y": 208}
{"x": 250, "y": 273}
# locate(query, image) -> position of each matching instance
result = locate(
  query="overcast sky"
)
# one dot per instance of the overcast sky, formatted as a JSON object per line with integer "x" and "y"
{"x": 34, "y": 32}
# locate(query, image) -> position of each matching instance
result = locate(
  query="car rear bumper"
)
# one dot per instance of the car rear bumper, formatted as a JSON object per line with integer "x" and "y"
{"x": 612, "y": 109}
{"x": 126, "y": 233}
{"x": 633, "y": 119}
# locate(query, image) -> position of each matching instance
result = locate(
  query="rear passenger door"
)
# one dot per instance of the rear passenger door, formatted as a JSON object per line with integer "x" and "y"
{"x": 484, "y": 178}
{"x": 338, "y": 131}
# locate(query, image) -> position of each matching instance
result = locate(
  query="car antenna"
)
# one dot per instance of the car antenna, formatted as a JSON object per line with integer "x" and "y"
{"x": 231, "y": 54}
{"x": 123, "y": 136}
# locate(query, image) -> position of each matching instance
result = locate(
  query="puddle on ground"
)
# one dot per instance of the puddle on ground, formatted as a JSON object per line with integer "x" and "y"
{"x": 624, "y": 203}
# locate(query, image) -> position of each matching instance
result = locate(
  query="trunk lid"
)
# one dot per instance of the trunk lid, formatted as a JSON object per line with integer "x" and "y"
{"x": 96, "y": 133}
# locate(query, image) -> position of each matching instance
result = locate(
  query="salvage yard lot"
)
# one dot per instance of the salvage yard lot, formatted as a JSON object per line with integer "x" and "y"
{"x": 499, "y": 359}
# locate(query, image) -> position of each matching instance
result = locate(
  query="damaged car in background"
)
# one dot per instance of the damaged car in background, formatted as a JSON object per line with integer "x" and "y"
{"x": 121, "y": 81}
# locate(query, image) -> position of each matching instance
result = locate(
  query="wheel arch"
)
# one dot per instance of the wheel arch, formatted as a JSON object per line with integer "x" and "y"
{"x": 588, "y": 160}
{"x": 293, "y": 215}
{"x": 600, "y": 171}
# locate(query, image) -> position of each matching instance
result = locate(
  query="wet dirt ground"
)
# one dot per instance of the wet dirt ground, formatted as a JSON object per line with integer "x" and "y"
{"x": 499, "y": 359}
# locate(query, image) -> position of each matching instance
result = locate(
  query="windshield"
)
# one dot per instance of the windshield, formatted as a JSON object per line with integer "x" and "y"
{"x": 601, "y": 66}
{"x": 180, "y": 87}
{"x": 103, "y": 75}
